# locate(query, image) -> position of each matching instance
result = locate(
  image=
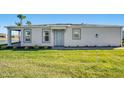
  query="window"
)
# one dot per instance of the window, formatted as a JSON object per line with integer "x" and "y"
{"x": 46, "y": 36}
{"x": 27, "y": 35}
{"x": 76, "y": 34}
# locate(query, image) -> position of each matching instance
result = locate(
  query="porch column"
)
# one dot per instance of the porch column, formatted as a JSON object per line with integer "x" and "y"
{"x": 9, "y": 38}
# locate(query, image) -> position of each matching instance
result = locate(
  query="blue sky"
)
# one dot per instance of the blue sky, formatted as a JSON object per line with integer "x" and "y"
{"x": 111, "y": 19}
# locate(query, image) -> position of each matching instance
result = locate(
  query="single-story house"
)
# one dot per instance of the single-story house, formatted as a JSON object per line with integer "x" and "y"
{"x": 68, "y": 35}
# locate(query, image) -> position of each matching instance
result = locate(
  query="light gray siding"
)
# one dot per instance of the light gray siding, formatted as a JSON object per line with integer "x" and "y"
{"x": 106, "y": 36}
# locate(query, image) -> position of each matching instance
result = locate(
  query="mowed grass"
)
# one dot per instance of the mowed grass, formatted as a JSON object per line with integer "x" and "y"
{"x": 61, "y": 63}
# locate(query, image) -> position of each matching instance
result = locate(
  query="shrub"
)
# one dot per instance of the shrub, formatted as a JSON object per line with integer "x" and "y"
{"x": 46, "y": 47}
{"x": 14, "y": 47}
{"x": 36, "y": 47}
{"x": 26, "y": 47}
{"x": 3, "y": 47}
{"x": 77, "y": 46}
{"x": 65, "y": 46}
{"x": 123, "y": 42}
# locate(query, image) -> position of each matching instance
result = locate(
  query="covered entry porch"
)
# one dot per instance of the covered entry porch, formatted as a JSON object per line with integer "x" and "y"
{"x": 14, "y": 36}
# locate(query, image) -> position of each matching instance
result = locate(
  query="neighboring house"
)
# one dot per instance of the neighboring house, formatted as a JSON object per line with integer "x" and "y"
{"x": 69, "y": 35}
{"x": 123, "y": 34}
{"x": 2, "y": 35}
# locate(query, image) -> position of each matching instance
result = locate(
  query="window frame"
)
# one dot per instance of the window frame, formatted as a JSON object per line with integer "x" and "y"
{"x": 73, "y": 30}
{"x": 24, "y": 35}
{"x": 43, "y": 36}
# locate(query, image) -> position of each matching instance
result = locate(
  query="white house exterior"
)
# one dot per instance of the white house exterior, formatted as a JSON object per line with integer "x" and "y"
{"x": 68, "y": 35}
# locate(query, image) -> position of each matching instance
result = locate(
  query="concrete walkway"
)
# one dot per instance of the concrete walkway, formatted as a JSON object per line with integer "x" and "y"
{"x": 119, "y": 48}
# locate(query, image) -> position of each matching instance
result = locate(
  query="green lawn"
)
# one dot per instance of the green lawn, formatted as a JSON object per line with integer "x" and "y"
{"x": 61, "y": 63}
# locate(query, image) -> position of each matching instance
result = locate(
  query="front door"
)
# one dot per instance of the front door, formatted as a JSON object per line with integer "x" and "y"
{"x": 59, "y": 37}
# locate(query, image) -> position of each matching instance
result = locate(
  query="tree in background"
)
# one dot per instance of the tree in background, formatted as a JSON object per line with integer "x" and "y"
{"x": 18, "y": 23}
{"x": 29, "y": 23}
{"x": 21, "y": 18}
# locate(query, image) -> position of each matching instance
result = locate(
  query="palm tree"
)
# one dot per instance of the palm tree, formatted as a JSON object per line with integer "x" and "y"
{"x": 21, "y": 18}
{"x": 28, "y": 23}
{"x": 18, "y": 23}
